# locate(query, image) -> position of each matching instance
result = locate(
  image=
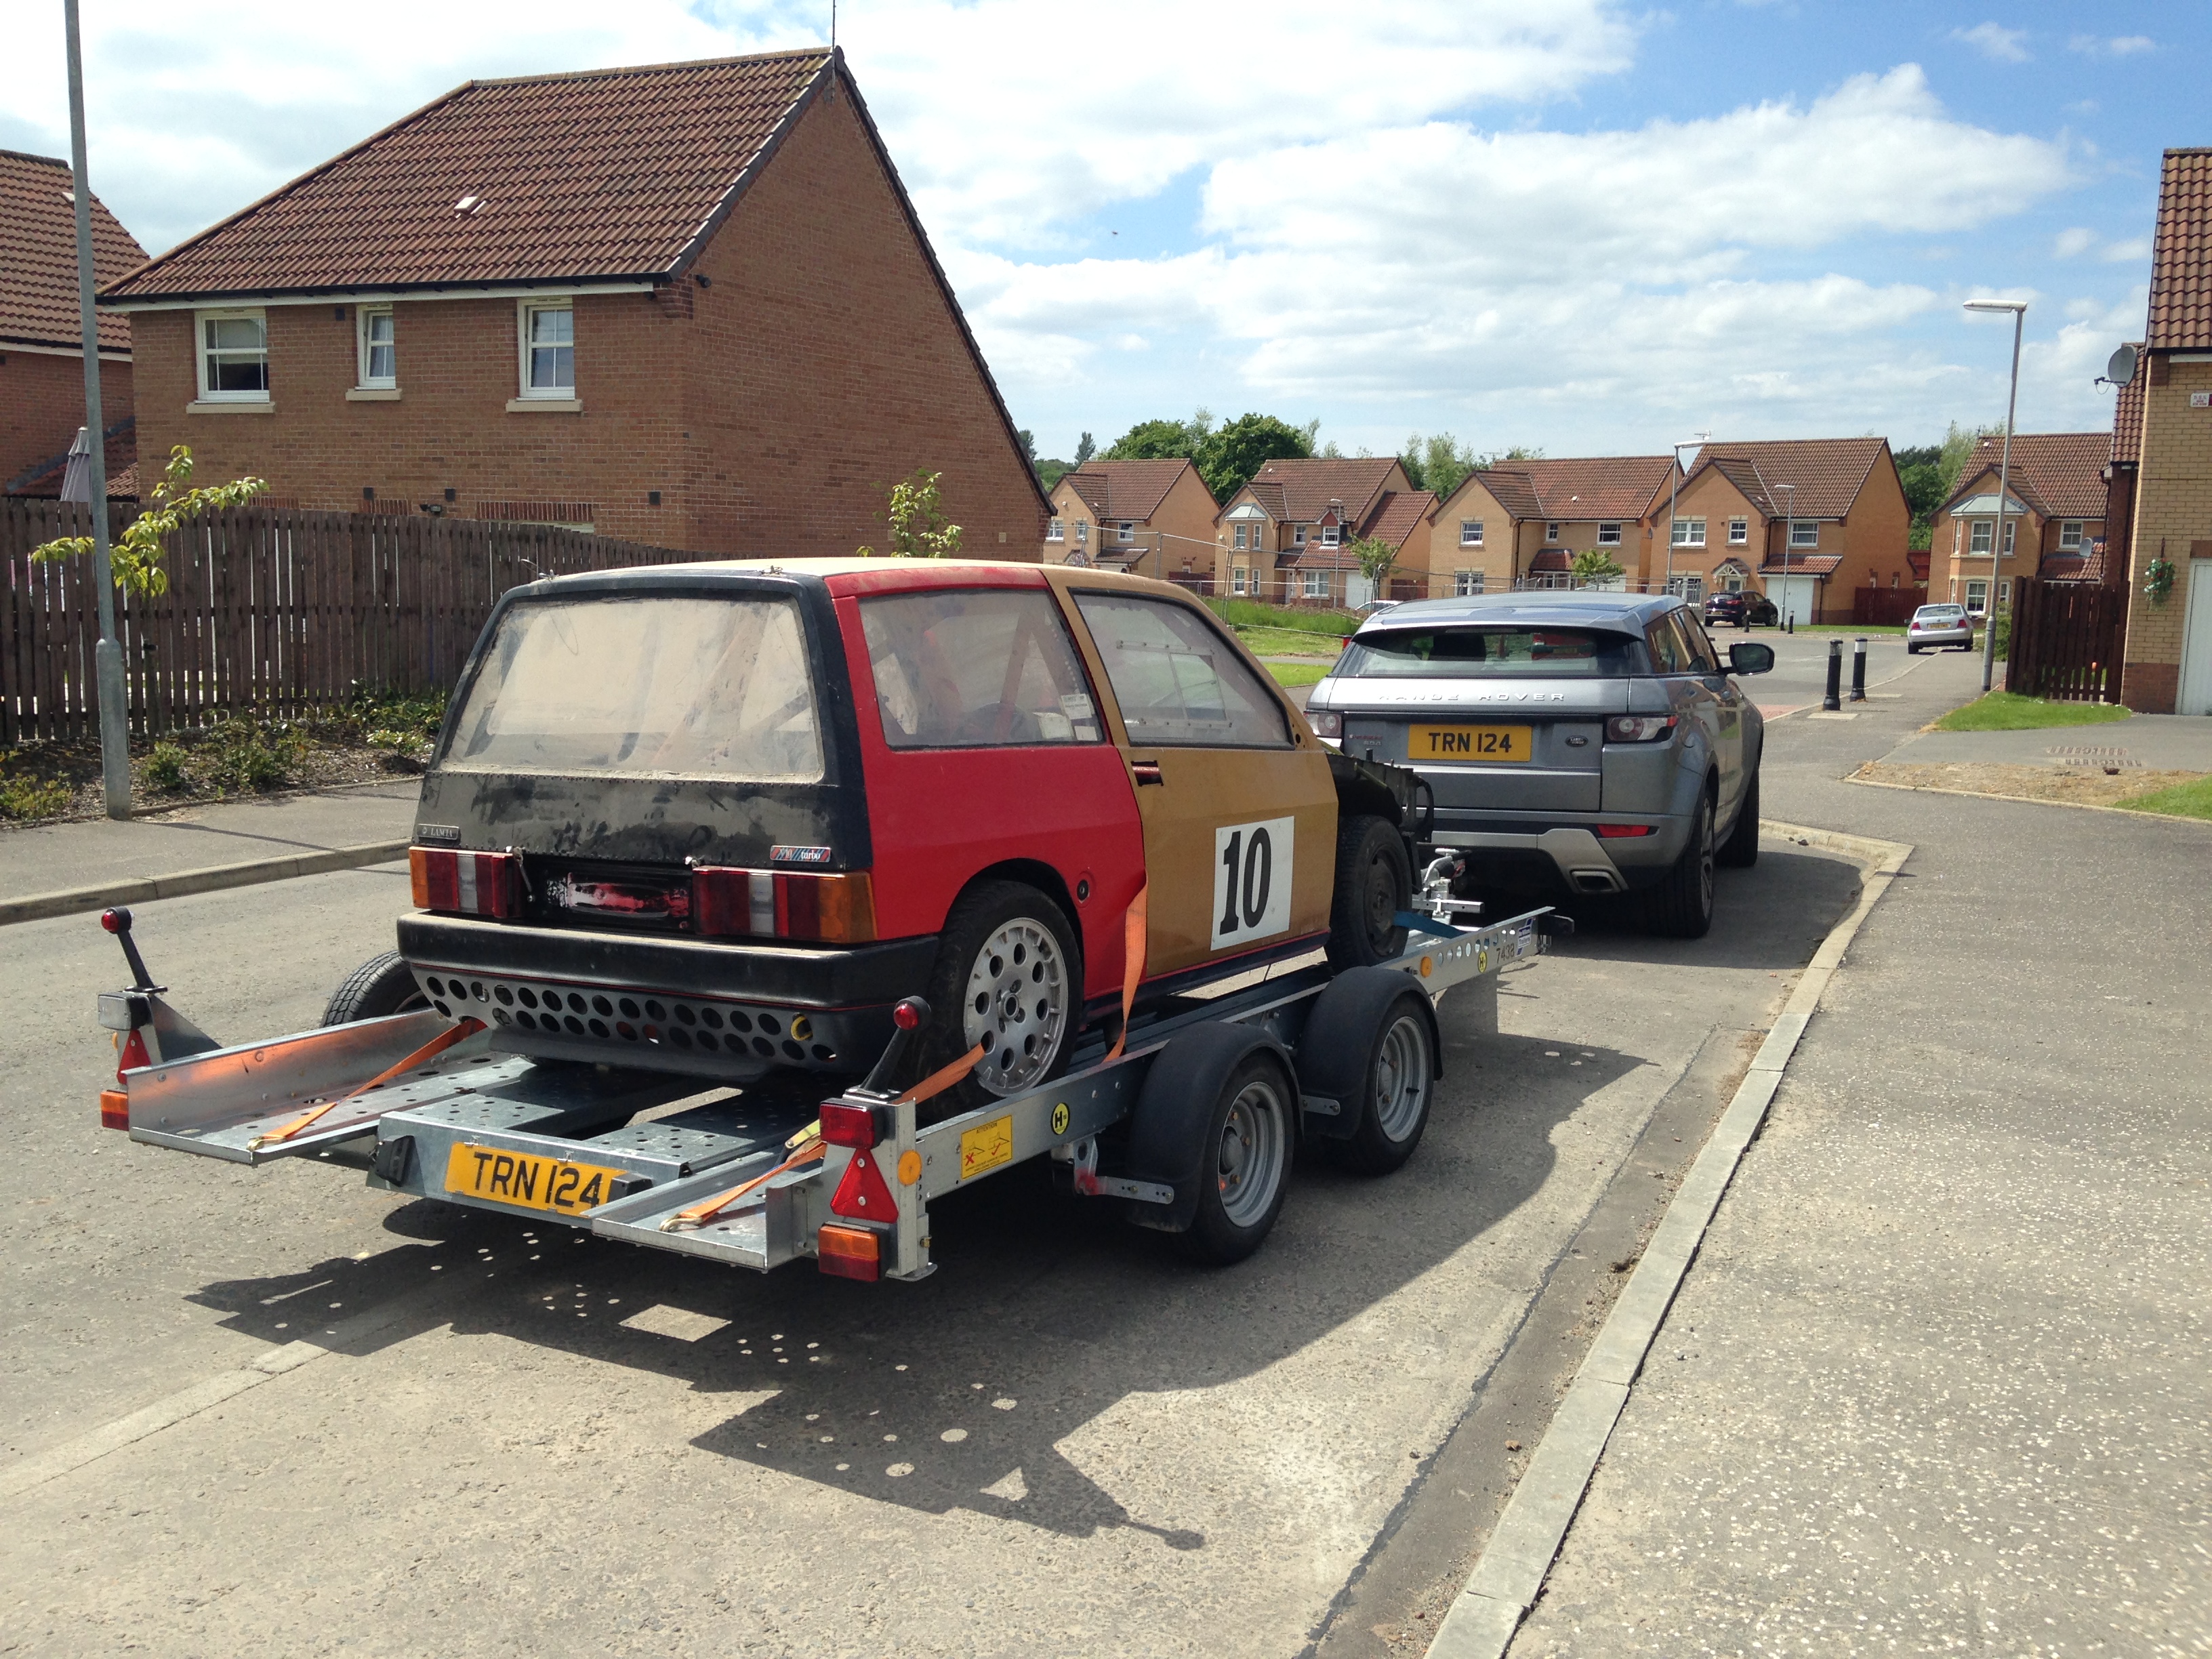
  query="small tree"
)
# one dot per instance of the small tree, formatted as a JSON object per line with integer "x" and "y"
{"x": 1593, "y": 567}
{"x": 1085, "y": 447}
{"x": 135, "y": 558}
{"x": 918, "y": 525}
{"x": 1376, "y": 557}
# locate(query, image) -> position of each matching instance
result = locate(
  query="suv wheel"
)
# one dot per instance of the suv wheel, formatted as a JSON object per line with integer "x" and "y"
{"x": 1374, "y": 883}
{"x": 1681, "y": 906}
{"x": 1008, "y": 975}
{"x": 1740, "y": 850}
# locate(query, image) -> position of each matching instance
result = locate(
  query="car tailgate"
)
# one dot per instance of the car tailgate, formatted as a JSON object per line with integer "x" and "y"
{"x": 1437, "y": 727}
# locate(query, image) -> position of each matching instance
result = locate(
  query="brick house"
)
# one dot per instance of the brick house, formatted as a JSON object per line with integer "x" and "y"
{"x": 2120, "y": 473}
{"x": 1807, "y": 521}
{"x": 2167, "y": 666}
{"x": 1284, "y": 536}
{"x": 1521, "y": 524}
{"x": 41, "y": 339}
{"x": 1155, "y": 518}
{"x": 2054, "y": 525}
{"x": 689, "y": 305}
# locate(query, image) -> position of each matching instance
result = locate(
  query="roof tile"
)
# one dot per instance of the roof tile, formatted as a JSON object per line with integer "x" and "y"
{"x": 1398, "y": 513}
{"x": 38, "y": 256}
{"x": 2128, "y": 413}
{"x": 1126, "y": 490}
{"x": 1828, "y": 473}
{"x": 1307, "y": 486}
{"x": 2181, "y": 255}
{"x": 2060, "y": 474}
{"x": 1607, "y": 487}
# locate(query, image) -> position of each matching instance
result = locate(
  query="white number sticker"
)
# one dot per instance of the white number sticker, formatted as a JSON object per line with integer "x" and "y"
{"x": 1252, "y": 881}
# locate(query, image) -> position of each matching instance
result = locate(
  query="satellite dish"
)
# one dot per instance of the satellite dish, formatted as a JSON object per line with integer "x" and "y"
{"x": 2120, "y": 368}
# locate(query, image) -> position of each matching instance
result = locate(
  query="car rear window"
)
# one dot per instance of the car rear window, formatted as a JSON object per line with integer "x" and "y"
{"x": 975, "y": 669}
{"x": 656, "y": 685}
{"x": 1468, "y": 653}
{"x": 1937, "y": 612}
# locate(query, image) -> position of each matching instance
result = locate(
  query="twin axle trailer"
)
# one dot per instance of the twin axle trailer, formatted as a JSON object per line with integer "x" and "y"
{"x": 1190, "y": 1118}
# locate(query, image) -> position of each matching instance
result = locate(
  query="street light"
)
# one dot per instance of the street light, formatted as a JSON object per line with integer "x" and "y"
{"x": 1673, "y": 499}
{"x": 1789, "y": 537}
{"x": 2019, "y": 309}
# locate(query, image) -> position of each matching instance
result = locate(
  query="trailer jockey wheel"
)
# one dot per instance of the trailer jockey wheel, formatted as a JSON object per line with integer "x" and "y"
{"x": 382, "y": 985}
{"x": 1007, "y": 977}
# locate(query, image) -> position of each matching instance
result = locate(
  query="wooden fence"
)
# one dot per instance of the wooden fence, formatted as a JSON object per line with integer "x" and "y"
{"x": 1885, "y": 607}
{"x": 2066, "y": 639}
{"x": 280, "y": 611}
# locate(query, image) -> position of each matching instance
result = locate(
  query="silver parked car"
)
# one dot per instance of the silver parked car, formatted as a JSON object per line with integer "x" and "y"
{"x": 1939, "y": 625}
{"x": 1593, "y": 741}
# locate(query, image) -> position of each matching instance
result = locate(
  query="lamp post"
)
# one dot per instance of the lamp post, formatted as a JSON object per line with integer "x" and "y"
{"x": 1674, "y": 499}
{"x": 107, "y": 655}
{"x": 1789, "y": 537}
{"x": 2019, "y": 309}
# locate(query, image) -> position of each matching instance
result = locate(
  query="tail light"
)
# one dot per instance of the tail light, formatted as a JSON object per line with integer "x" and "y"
{"x": 1638, "y": 729}
{"x": 850, "y": 1125}
{"x": 1626, "y": 831}
{"x": 1326, "y": 724}
{"x": 468, "y": 884}
{"x": 849, "y": 1252}
{"x": 114, "y": 1109}
{"x": 838, "y": 909}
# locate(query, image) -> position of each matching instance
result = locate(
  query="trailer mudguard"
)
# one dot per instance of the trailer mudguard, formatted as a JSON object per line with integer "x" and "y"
{"x": 1337, "y": 1048}
{"x": 1174, "y": 1108}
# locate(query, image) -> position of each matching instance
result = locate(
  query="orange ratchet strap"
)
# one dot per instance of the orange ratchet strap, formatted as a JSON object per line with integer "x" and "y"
{"x": 430, "y": 1050}
{"x": 945, "y": 1076}
{"x": 1133, "y": 968}
{"x": 699, "y": 1214}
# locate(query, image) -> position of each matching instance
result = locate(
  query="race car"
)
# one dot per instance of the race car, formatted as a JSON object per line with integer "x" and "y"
{"x": 721, "y": 817}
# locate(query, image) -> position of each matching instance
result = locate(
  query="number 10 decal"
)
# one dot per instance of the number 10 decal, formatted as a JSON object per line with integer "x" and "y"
{"x": 1252, "y": 881}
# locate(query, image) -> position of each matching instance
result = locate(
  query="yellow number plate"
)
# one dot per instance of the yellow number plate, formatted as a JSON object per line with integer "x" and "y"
{"x": 1488, "y": 744}
{"x": 530, "y": 1183}
{"x": 986, "y": 1146}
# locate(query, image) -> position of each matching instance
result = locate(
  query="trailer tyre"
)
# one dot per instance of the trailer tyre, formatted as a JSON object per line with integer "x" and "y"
{"x": 1370, "y": 1047}
{"x": 1008, "y": 975}
{"x": 1374, "y": 882}
{"x": 382, "y": 985}
{"x": 1217, "y": 1122}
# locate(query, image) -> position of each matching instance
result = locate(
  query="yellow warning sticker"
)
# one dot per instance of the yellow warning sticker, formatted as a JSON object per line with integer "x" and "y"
{"x": 986, "y": 1146}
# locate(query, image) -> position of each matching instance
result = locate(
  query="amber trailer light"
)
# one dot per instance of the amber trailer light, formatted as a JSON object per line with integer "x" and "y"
{"x": 776, "y": 904}
{"x": 466, "y": 884}
{"x": 849, "y": 1252}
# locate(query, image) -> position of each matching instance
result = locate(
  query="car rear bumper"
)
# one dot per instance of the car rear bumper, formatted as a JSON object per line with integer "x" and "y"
{"x": 682, "y": 1004}
{"x": 1522, "y": 852}
{"x": 1941, "y": 637}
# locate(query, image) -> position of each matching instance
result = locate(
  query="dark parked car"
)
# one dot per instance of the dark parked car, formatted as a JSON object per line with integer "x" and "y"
{"x": 1744, "y": 610}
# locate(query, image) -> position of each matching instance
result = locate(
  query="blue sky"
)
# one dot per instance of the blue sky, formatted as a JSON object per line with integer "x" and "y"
{"x": 1590, "y": 226}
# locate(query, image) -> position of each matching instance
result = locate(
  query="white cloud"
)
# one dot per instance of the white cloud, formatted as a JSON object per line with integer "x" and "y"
{"x": 1994, "y": 40}
{"x": 2136, "y": 247}
{"x": 2072, "y": 244}
{"x": 2119, "y": 46}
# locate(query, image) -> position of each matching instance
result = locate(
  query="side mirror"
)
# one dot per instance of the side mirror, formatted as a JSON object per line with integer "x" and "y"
{"x": 1750, "y": 658}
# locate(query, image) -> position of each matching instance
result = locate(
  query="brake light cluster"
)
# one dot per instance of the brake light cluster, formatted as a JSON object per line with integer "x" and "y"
{"x": 1326, "y": 723}
{"x": 838, "y": 909}
{"x": 468, "y": 884}
{"x": 1638, "y": 729}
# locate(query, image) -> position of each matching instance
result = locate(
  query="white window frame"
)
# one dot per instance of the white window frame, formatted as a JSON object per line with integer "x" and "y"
{"x": 2004, "y": 592}
{"x": 1470, "y": 532}
{"x": 1056, "y": 531}
{"x": 1083, "y": 532}
{"x": 1738, "y": 532}
{"x": 1689, "y": 533}
{"x": 1804, "y": 533}
{"x": 1240, "y": 580}
{"x": 1981, "y": 536}
{"x": 1125, "y": 530}
{"x": 364, "y": 344}
{"x": 1551, "y": 530}
{"x": 1466, "y": 584}
{"x": 1608, "y": 535}
{"x": 201, "y": 350}
{"x": 1239, "y": 543}
{"x": 1298, "y": 535}
{"x": 1316, "y": 585}
{"x": 2012, "y": 536}
{"x": 1331, "y": 535}
{"x": 525, "y": 310}
{"x": 2070, "y": 534}
{"x": 1983, "y": 604}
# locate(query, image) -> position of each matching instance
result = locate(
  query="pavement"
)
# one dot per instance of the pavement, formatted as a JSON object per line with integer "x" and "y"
{"x": 1940, "y": 1379}
{"x": 54, "y": 857}
{"x": 2169, "y": 742}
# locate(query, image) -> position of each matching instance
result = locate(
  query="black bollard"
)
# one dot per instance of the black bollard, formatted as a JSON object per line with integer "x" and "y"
{"x": 1833, "y": 698}
{"x": 1858, "y": 669}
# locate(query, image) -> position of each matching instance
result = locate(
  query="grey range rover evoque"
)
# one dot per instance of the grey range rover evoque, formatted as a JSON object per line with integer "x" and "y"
{"x": 1589, "y": 743}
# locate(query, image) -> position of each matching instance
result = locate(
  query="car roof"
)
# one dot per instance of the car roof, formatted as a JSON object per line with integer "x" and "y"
{"x": 1542, "y": 608}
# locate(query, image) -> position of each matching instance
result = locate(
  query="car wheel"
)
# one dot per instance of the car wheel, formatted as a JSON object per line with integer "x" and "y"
{"x": 1740, "y": 850}
{"x": 383, "y": 985}
{"x": 1681, "y": 906}
{"x": 1374, "y": 883}
{"x": 1008, "y": 976}
{"x": 1911, "y": 650}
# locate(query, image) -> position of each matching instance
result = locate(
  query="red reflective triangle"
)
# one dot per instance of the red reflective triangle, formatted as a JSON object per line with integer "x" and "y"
{"x": 134, "y": 1055}
{"x": 862, "y": 1194}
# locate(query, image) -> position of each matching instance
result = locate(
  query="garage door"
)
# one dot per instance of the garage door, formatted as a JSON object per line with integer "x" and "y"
{"x": 2195, "y": 694}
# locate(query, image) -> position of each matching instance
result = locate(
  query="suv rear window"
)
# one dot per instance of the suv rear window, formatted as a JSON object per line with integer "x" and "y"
{"x": 1463, "y": 653}
{"x": 659, "y": 684}
{"x": 976, "y": 669}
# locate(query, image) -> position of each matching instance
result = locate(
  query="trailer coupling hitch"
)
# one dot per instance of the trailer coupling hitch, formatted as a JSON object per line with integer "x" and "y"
{"x": 148, "y": 1031}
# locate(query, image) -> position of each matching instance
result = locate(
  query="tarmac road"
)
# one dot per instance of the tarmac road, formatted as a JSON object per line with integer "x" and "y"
{"x": 523, "y": 1442}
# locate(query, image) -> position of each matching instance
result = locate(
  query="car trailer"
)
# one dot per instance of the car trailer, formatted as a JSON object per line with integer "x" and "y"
{"x": 1190, "y": 1117}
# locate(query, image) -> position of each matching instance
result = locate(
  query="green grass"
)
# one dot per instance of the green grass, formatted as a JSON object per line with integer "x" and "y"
{"x": 1287, "y": 642}
{"x": 1296, "y": 673}
{"x": 2001, "y": 711}
{"x": 1251, "y": 613}
{"x": 2184, "y": 800}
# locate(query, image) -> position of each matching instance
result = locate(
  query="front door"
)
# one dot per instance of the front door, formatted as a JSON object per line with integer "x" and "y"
{"x": 1239, "y": 808}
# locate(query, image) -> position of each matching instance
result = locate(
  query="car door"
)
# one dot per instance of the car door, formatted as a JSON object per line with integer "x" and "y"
{"x": 1237, "y": 806}
{"x": 1718, "y": 704}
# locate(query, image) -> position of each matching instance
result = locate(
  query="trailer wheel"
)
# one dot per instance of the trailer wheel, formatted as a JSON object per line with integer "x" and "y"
{"x": 1007, "y": 975}
{"x": 1371, "y": 1047}
{"x": 1400, "y": 1084}
{"x": 382, "y": 985}
{"x": 1374, "y": 882}
{"x": 1250, "y": 1140}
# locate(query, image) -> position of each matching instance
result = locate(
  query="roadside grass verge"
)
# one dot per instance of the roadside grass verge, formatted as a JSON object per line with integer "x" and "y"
{"x": 1251, "y": 613}
{"x": 1288, "y": 642}
{"x": 2001, "y": 711}
{"x": 2183, "y": 800}
{"x": 1296, "y": 673}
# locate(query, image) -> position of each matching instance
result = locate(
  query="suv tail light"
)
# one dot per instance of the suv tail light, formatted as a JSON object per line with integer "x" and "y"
{"x": 1326, "y": 723}
{"x": 1638, "y": 729}
{"x": 838, "y": 910}
{"x": 470, "y": 883}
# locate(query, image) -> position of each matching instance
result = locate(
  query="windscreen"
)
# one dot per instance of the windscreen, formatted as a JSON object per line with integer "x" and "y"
{"x": 1473, "y": 652}
{"x": 684, "y": 686}
{"x": 1932, "y": 612}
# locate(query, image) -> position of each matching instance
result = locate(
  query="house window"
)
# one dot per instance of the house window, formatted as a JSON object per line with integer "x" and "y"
{"x": 1317, "y": 582}
{"x": 1978, "y": 593}
{"x": 2012, "y": 530}
{"x": 1689, "y": 533}
{"x": 1739, "y": 531}
{"x": 1240, "y": 580}
{"x": 1984, "y": 536}
{"x": 1551, "y": 530}
{"x": 1240, "y": 536}
{"x": 549, "y": 350}
{"x": 1127, "y": 531}
{"x": 1466, "y": 583}
{"x": 1298, "y": 535}
{"x": 233, "y": 357}
{"x": 1056, "y": 532}
{"x": 1328, "y": 535}
{"x": 1082, "y": 532}
{"x": 1470, "y": 532}
{"x": 1804, "y": 532}
{"x": 1608, "y": 535}
{"x": 2004, "y": 591}
{"x": 2069, "y": 536}
{"x": 379, "y": 362}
